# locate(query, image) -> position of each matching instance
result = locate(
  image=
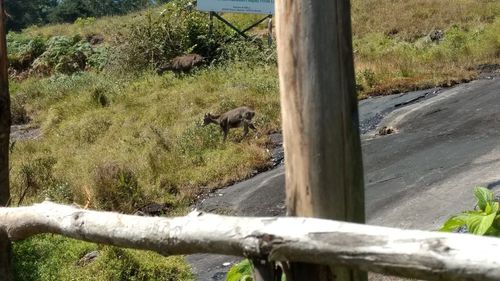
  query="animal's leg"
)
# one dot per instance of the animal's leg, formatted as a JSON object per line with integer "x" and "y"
{"x": 225, "y": 130}
{"x": 245, "y": 129}
{"x": 251, "y": 126}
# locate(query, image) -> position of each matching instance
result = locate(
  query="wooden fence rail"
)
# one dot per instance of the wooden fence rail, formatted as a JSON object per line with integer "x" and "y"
{"x": 406, "y": 253}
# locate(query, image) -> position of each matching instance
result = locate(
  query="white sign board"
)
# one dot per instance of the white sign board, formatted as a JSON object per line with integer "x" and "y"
{"x": 237, "y": 6}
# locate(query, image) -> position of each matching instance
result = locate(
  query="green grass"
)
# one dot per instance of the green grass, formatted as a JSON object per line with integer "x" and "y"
{"x": 148, "y": 124}
{"x": 385, "y": 64}
{"x": 411, "y": 20}
{"x": 48, "y": 257}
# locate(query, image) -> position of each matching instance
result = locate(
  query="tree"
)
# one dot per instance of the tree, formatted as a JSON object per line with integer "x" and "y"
{"x": 23, "y": 13}
{"x": 70, "y": 10}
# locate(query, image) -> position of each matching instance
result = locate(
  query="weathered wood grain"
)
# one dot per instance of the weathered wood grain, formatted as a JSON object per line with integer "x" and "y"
{"x": 406, "y": 253}
{"x": 324, "y": 173}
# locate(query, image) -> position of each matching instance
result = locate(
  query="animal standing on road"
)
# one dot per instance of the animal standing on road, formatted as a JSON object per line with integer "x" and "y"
{"x": 241, "y": 116}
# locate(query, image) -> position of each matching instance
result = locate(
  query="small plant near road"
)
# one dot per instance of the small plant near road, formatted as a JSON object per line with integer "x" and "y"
{"x": 484, "y": 220}
{"x": 243, "y": 272}
{"x": 240, "y": 272}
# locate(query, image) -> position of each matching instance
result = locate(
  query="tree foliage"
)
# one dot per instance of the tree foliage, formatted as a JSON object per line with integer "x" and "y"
{"x": 23, "y": 13}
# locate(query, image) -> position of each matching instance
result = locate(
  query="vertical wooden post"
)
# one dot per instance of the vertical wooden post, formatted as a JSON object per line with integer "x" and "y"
{"x": 324, "y": 173}
{"x": 5, "y": 248}
{"x": 5, "y": 258}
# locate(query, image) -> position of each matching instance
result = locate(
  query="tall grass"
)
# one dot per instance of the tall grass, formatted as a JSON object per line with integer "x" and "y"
{"x": 151, "y": 126}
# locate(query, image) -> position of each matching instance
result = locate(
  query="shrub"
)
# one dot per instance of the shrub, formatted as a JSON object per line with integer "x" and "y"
{"x": 18, "y": 112}
{"x": 154, "y": 39}
{"x": 115, "y": 188}
{"x": 252, "y": 53}
{"x": 68, "y": 55}
{"x": 24, "y": 50}
{"x": 35, "y": 176}
{"x": 98, "y": 97}
{"x": 369, "y": 77}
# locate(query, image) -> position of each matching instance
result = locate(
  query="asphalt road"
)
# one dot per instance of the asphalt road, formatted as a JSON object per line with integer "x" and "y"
{"x": 447, "y": 142}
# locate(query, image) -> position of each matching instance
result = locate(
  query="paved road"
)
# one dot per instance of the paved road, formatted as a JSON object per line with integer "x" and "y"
{"x": 448, "y": 141}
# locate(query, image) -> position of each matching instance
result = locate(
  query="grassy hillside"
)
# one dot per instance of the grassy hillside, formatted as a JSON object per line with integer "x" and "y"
{"x": 117, "y": 136}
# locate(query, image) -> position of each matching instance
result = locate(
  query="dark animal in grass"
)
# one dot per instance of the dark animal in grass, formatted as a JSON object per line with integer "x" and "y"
{"x": 238, "y": 117}
{"x": 182, "y": 64}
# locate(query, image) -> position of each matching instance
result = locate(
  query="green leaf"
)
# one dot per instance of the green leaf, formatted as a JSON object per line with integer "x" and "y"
{"x": 494, "y": 208}
{"x": 479, "y": 223}
{"x": 454, "y": 223}
{"x": 487, "y": 210}
{"x": 483, "y": 196}
{"x": 492, "y": 231}
{"x": 240, "y": 272}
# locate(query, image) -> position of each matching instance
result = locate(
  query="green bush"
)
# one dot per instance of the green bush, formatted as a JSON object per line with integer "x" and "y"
{"x": 483, "y": 220}
{"x": 155, "y": 38}
{"x": 252, "y": 53}
{"x": 18, "y": 112}
{"x": 23, "y": 50}
{"x": 35, "y": 175}
{"x": 59, "y": 54}
{"x": 115, "y": 188}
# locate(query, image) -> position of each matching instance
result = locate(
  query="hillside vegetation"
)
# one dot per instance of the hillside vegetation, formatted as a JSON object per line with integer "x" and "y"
{"x": 116, "y": 136}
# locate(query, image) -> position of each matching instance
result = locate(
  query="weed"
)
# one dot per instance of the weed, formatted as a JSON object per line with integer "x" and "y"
{"x": 115, "y": 188}
{"x": 82, "y": 22}
{"x": 35, "y": 176}
{"x": 369, "y": 77}
{"x": 19, "y": 114}
{"x": 99, "y": 98}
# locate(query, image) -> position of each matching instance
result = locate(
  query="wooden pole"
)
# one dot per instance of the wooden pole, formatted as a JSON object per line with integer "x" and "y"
{"x": 5, "y": 257}
{"x": 5, "y": 119}
{"x": 324, "y": 174}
